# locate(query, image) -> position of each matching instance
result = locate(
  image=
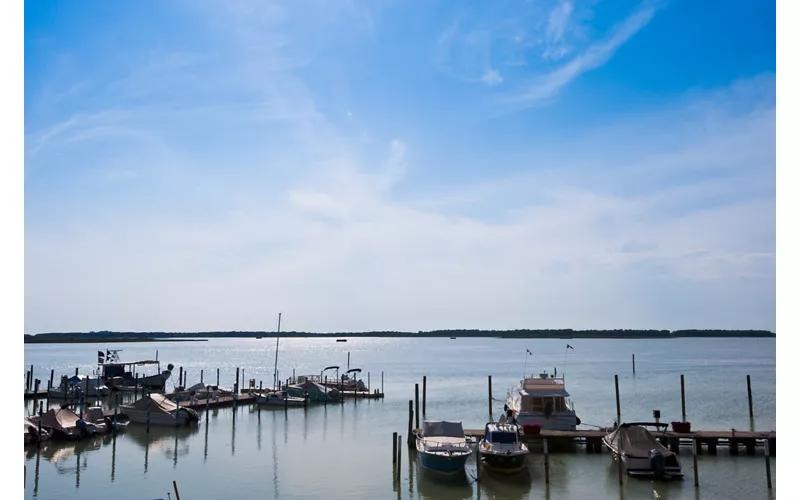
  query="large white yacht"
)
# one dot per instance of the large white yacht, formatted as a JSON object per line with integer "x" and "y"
{"x": 543, "y": 400}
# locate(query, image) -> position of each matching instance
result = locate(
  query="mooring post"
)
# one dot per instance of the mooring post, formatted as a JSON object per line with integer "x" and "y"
{"x": 217, "y": 377}
{"x": 633, "y": 363}
{"x": 546, "y": 461}
{"x": 177, "y": 495}
{"x": 616, "y": 389}
{"x": 294, "y": 380}
{"x": 749, "y": 398}
{"x": 368, "y": 384}
{"x": 76, "y": 371}
{"x": 683, "y": 401}
{"x": 694, "y": 463}
{"x": 410, "y": 421}
{"x": 381, "y": 381}
{"x": 236, "y": 385}
{"x": 424, "y": 394}
{"x": 394, "y": 456}
{"x": 28, "y": 381}
{"x": 416, "y": 404}
{"x": 490, "y": 399}
{"x": 52, "y": 373}
{"x": 148, "y": 410}
{"x": 39, "y": 436}
{"x": 766, "y": 461}
{"x": 399, "y": 455}
{"x": 35, "y": 393}
{"x": 180, "y": 376}
{"x": 201, "y": 376}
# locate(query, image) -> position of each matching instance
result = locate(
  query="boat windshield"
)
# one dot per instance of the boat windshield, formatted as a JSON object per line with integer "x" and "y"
{"x": 503, "y": 437}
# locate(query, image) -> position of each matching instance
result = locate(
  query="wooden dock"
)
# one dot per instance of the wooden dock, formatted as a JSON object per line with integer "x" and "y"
{"x": 41, "y": 394}
{"x": 592, "y": 439}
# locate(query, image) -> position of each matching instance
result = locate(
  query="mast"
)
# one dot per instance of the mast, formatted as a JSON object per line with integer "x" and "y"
{"x": 277, "y": 344}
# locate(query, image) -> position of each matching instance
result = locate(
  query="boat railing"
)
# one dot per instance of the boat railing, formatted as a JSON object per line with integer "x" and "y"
{"x": 430, "y": 444}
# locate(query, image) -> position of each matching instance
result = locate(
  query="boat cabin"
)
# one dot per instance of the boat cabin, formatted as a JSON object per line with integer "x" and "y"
{"x": 545, "y": 394}
{"x": 496, "y": 433}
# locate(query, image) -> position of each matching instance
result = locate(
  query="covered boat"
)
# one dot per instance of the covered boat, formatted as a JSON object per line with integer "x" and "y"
{"x": 280, "y": 399}
{"x": 159, "y": 410}
{"x": 63, "y": 423}
{"x": 442, "y": 447}
{"x": 315, "y": 392}
{"x": 501, "y": 448}
{"x": 32, "y": 434}
{"x": 641, "y": 453}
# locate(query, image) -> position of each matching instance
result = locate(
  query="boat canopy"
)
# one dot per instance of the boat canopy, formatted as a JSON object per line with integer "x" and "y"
{"x": 354, "y": 370}
{"x": 636, "y": 441}
{"x": 442, "y": 428}
{"x": 158, "y": 404}
{"x": 330, "y": 368}
{"x": 61, "y": 419}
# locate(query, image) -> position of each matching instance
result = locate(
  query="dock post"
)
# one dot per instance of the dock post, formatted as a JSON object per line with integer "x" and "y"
{"x": 148, "y": 411}
{"x": 616, "y": 389}
{"x": 546, "y": 461}
{"x": 136, "y": 388}
{"x": 416, "y": 403}
{"x": 399, "y": 456}
{"x": 217, "y": 377}
{"x": 633, "y": 363}
{"x": 260, "y": 387}
{"x": 39, "y": 437}
{"x": 410, "y": 421}
{"x": 394, "y": 456}
{"x": 381, "y": 381}
{"x": 490, "y": 399}
{"x": 683, "y": 400}
{"x": 28, "y": 381}
{"x": 766, "y": 461}
{"x": 694, "y": 463}
{"x": 369, "y": 385}
{"x": 294, "y": 380}
{"x": 180, "y": 376}
{"x": 236, "y": 385}
{"x": 201, "y": 376}
{"x": 424, "y": 394}
{"x": 76, "y": 371}
{"x": 35, "y": 393}
{"x": 177, "y": 495}
{"x": 52, "y": 372}
{"x": 749, "y": 398}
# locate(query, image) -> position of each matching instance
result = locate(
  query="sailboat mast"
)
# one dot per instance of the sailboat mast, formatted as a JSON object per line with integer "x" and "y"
{"x": 277, "y": 344}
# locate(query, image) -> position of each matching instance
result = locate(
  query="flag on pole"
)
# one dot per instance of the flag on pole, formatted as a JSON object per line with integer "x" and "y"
{"x": 529, "y": 352}
{"x": 570, "y": 347}
{"x": 100, "y": 357}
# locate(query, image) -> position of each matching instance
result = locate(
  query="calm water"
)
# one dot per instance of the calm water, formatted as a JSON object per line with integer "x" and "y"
{"x": 344, "y": 451}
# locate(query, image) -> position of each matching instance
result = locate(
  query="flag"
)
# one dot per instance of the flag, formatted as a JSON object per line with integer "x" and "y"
{"x": 570, "y": 347}
{"x": 529, "y": 352}
{"x": 100, "y": 357}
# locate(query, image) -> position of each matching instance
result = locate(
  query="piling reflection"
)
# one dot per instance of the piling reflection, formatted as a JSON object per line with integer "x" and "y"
{"x": 274, "y": 453}
{"x": 233, "y": 432}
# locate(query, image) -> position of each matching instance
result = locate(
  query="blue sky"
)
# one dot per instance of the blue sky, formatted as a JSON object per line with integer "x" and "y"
{"x": 396, "y": 165}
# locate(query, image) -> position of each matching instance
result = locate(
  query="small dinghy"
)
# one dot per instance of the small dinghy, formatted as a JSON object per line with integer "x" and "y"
{"x": 641, "y": 453}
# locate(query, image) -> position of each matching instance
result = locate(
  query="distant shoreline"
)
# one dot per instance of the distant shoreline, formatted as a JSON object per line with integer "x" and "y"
{"x": 567, "y": 334}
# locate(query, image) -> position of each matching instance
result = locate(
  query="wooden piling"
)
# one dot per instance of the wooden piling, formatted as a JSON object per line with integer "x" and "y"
{"x": 394, "y": 449}
{"x": 52, "y": 373}
{"x": 490, "y": 399}
{"x": 766, "y": 462}
{"x": 400, "y": 456}
{"x": 136, "y": 387}
{"x": 416, "y": 403}
{"x": 683, "y": 400}
{"x": 381, "y": 381}
{"x": 546, "y": 461}
{"x": 76, "y": 371}
{"x": 749, "y": 398}
{"x": 28, "y": 381}
{"x": 201, "y": 376}
{"x": 368, "y": 383}
{"x": 180, "y": 376}
{"x": 410, "y": 421}
{"x": 616, "y": 390}
{"x": 35, "y": 393}
{"x": 177, "y": 495}
{"x": 217, "y": 377}
{"x": 424, "y": 394}
{"x": 41, "y": 413}
{"x": 633, "y": 363}
{"x": 694, "y": 463}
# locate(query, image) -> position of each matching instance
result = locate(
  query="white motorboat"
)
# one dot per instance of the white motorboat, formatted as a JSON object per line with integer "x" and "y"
{"x": 501, "y": 448}
{"x": 281, "y": 399}
{"x": 159, "y": 410}
{"x": 72, "y": 387}
{"x": 543, "y": 400}
{"x": 641, "y": 453}
{"x": 118, "y": 374}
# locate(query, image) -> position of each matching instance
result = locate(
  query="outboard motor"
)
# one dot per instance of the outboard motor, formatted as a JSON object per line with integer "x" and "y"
{"x": 658, "y": 463}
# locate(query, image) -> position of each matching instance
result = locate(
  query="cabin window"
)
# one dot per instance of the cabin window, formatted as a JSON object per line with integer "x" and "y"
{"x": 503, "y": 437}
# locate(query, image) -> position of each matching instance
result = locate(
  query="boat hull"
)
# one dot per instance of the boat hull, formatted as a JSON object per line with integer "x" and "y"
{"x": 281, "y": 403}
{"x": 443, "y": 463}
{"x": 508, "y": 463}
{"x": 566, "y": 421}
{"x": 160, "y": 419}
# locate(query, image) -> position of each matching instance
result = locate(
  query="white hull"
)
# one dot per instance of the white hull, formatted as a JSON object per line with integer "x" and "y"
{"x": 567, "y": 421}
{"x": 280, "y": 402}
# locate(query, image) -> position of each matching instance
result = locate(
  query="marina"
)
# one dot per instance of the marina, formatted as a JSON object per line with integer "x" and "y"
{"x": 222, "y": 414}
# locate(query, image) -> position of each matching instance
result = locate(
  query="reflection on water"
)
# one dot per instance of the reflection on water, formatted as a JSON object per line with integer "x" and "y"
{"x": 435, "y": 486}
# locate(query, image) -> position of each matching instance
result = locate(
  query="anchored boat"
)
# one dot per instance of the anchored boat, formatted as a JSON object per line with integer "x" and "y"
{"x": 281, "y": 399}
{"x": 543, "y": 400}
{"x": 641, "y": 453}
{"x": 501, "y": 448}
{"x": 442, "y": 447}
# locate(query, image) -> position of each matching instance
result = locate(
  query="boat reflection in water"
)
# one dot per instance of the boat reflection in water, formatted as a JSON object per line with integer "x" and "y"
{"x": 440, "y": 486}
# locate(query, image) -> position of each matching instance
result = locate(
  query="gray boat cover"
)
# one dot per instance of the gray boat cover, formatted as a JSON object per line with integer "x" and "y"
{"x": 636, "y": 441}
{"x": 442, "y": 428}
{"x": 60, "y": 419}
{"x": 158, "y": 404}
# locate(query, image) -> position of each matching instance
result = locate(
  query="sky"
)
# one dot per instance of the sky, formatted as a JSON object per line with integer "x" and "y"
{"x": 387, "y": 165}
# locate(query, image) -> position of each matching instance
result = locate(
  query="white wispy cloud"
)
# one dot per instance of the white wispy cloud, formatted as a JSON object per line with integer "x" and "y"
{"x": 558, "y": 20}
